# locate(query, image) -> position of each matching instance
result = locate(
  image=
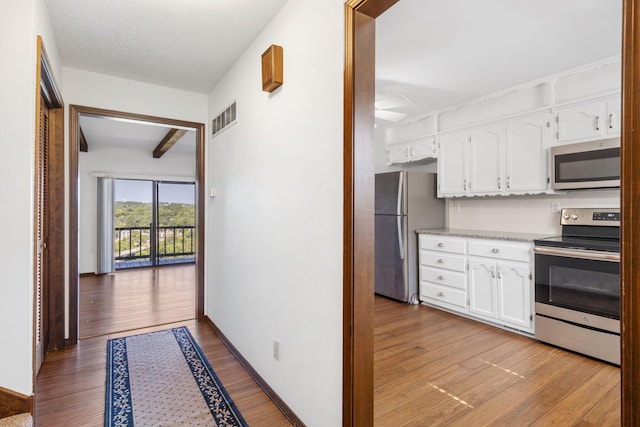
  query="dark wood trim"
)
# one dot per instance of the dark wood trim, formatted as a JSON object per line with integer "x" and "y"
{"x": 167, "y": 142}
{"x": 86, "y": 274}
{"x": 84, "y": 147}
{"x": 630, "y": 203}
{"x": 358, "y": 288}
{"x": 277, "y": 400}
{"x": 14, "y": 403}
{"x": 373, "y": 9}
{"x": 74, "y": 114}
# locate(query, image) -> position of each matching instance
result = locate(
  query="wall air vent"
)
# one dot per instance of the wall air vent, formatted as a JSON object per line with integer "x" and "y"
{"x": 224, "y": 120}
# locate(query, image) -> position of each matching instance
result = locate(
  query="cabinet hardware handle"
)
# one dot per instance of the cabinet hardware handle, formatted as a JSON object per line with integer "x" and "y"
{"x": 440, "y": 294}
{"x": 493, "y": 272}
{"x": 495, "y": 250}
{"x": 441, "y": 261}
{"x": 597, "y": 122}
{"x": 464, "y": 184}
{"x": 441, "y": 245}
{"x": 610, "y": 120}
{"x": 499, "y": 183}
{"x": 508, "y": 182}
{"x": 440, "y": 277}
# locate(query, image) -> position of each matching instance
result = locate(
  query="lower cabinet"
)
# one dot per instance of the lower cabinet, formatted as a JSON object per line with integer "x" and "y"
{"x": 490, "y": 280}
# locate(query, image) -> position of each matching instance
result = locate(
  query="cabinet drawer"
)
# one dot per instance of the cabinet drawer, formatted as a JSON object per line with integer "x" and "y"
{"x": 444, "y": 277}
{"x": 444, "y": 244}
{"x": 443, "y": 260}
{"x": 501, "y": 250}
{"x": 436, "y": 293}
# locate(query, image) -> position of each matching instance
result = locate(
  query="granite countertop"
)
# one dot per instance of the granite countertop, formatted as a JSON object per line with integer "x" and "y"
{"x": 483, "y": 234}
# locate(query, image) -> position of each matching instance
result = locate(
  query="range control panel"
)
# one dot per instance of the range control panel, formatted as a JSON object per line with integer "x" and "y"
{"x": 609, "y": 217}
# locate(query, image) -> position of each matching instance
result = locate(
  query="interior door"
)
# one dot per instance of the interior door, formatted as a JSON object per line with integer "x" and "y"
{"x": 41, "y": 233}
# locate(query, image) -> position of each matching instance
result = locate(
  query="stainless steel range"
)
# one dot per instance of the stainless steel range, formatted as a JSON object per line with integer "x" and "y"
{"x": 577, "y": 284}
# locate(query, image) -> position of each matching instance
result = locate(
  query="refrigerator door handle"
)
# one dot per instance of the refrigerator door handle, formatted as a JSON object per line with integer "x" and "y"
{"x": 400, "y": 239}
{"x": 399, "y": 208}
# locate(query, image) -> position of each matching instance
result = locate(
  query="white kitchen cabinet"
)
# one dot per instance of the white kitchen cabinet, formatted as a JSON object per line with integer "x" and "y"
{"x": 486, "y": 159}
{"x": 486, "y": 279}
{"x": 483, "y": 296}
{"x": 453, "y": 164}
{"x": 588, "y": 121}
{"x": 411, "y": 151}
{"x": 526, "y": 153}
{"x": 443, "y": 279}
{"x": 504, "y": 158}
{"x": 514, "y": 295}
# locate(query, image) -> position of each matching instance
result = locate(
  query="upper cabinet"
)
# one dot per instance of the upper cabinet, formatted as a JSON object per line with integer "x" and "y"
{"x": 500, "y": 159}
{"x": 499, "y": 144}
{"x": 588, "y": 121}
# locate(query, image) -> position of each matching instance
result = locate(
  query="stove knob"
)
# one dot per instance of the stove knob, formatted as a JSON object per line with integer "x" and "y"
{"x": 565, "y": 216}
{"x": 574, "y": 217}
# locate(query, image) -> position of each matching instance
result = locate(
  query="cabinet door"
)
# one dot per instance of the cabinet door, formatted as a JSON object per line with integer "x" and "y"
{"x": 580, "y": 122}
{"x": 452, "y": 164}
{"x": 486, "y": 160}
{"x": 514, "y": 294}
{"x": 482, "y": 287}
{"x": 397, "y": 153}
{"x": 526, "y": 146}
{"x": 422, "y": 148}
{"x": 613, "y": 108}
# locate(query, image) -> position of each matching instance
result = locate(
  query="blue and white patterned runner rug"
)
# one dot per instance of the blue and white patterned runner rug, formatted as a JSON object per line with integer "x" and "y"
{"x": 163, "y": 379}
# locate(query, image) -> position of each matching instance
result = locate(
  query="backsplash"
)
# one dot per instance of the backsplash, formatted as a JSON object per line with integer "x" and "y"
{"x": 525, "y": 214}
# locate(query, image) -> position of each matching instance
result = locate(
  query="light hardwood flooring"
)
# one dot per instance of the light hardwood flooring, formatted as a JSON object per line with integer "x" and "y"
{"x": 434, "y": 368}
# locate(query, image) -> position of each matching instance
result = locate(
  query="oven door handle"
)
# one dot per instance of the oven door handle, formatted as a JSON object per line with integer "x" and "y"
{"x": 577, "y": 253}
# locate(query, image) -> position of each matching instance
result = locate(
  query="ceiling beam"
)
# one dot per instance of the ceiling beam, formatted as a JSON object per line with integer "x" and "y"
{"x": 84, "y": 147}
{"x": 167, "y": 142}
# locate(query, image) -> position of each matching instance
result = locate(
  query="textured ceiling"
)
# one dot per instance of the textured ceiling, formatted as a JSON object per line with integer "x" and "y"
{"x": 184, "y": 44}
{"x": 442, "y": 52}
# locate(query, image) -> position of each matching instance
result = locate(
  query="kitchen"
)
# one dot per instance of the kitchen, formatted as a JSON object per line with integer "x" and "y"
{"x": 500, "y": 193}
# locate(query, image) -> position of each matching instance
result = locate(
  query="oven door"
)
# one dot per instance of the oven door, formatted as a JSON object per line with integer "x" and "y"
{"x": 580, "y": 280}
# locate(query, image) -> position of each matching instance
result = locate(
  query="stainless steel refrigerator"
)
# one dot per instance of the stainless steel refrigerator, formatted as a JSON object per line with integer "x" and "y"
{"x": 405, "y": 202}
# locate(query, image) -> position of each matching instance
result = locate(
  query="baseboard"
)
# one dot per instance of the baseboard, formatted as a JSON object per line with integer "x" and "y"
{"x": 14, "y": 403}
{"x": 280, "y": 404}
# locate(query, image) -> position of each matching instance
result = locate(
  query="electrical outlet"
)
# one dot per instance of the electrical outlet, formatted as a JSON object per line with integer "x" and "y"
{"x": 276, "y": 349}
{"x": 555, "y": 207}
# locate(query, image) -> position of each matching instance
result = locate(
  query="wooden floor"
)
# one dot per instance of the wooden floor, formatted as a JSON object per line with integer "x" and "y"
{"x": 433, "y": 368}
{"x": 137, "y": 298}
{"x": 71, "y": 382}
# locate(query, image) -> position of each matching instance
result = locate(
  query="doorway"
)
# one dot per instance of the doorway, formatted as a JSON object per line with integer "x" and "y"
{"x": 77, "y": 143}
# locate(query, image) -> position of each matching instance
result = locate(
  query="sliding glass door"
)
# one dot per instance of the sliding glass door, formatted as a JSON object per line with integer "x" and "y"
{"x": 154, "y": 223}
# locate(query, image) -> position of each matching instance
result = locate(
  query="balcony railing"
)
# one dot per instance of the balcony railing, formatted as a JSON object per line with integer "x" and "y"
{"x": 134, "y": 243}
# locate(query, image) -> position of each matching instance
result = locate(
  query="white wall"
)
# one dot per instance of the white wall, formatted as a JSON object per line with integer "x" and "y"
{"x": 275, "y": 227}
{"x": 120, "y": 163}
{"x": 526, "y": 214}
{"x": 20, "y": 22}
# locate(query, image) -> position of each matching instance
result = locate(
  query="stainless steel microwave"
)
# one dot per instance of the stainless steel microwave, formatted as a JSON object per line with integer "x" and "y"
{"x": 594, "y": 164}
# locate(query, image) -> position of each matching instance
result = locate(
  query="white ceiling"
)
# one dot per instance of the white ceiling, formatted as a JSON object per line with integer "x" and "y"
{"x": 439, "y": 53}
{"x": 110, "y": 133}
{"x": 184, "y": 44}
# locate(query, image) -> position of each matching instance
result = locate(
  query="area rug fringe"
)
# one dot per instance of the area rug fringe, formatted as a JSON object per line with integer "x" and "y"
{"x": 163, "y": 378}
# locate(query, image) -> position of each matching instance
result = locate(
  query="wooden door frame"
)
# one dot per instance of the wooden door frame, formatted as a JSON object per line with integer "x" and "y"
{"x": 358, "y": 173}
{"x": 74, "y": 114}
{"x": 53, "y": 334}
